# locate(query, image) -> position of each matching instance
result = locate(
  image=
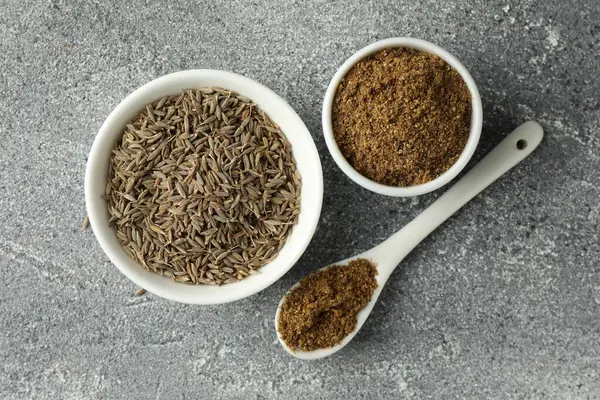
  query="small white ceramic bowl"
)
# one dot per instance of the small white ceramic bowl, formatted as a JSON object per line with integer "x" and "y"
{"x": 305, "y": 153}
{"x": 476, "y": 118}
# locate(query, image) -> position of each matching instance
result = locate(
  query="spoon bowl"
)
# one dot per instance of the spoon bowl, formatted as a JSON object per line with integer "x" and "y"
{"x": 388, "y": 255}
{"x": 361, "y": 317}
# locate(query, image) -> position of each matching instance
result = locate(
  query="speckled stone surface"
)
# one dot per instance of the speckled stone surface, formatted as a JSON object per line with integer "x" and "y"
{"x": 503, "y": 301}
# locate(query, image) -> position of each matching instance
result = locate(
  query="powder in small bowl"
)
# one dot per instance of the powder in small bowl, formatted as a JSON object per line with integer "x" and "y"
{"x": 322, "y": 309}
{"x": 401, "y": 117}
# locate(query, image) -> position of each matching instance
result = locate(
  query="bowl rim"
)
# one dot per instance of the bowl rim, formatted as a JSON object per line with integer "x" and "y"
{"x": 475, "y": 126}
{"x": 234, "y": 291}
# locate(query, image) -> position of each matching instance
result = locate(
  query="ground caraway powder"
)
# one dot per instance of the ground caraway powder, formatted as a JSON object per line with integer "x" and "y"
{"x": 401, "y": 117}
{"x": 322, "y": 309}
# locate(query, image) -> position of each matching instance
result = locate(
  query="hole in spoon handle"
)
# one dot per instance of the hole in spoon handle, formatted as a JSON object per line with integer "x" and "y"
{"x": 527, "y": 137}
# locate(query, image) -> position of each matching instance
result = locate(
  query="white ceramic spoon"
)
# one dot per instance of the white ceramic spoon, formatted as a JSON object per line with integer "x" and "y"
{"x": 388, "y": 255}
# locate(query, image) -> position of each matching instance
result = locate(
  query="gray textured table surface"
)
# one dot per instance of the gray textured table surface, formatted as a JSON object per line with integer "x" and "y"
{"x": 503, "y": 301}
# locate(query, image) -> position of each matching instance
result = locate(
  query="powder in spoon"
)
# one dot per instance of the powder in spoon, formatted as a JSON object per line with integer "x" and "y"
{"x": 401, "y": 117}
{"x": 322, "y": 309}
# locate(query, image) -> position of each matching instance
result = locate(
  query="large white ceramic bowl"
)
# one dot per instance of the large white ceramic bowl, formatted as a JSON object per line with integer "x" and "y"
{"x": 476, "y": 118}
{"x": 305, "y": 153}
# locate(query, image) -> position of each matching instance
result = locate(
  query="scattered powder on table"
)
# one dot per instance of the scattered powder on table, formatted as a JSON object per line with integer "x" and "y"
{"x": 322, "y": 310}
{"x": 401, "y": 117}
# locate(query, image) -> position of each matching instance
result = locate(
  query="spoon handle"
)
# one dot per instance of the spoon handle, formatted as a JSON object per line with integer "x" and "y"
{"x": 512, "y": 150}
